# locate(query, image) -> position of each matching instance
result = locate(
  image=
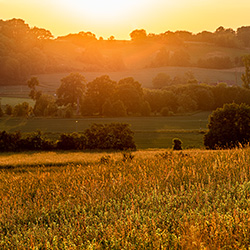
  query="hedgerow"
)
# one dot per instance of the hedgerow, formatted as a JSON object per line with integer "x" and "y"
{"x": 114, "y": 136}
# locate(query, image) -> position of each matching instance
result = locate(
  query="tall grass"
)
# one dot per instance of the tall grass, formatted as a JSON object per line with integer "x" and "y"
{"x": 155, "y": 200}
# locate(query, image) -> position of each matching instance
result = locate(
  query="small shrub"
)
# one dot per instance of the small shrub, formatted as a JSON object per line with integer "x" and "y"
{"x": 127, "y": 157}
{"x": 177, "y": 144}
{"x": 105, "y": 159}
{"x": 182, "y": 155}
{"x": 165, "y": 155}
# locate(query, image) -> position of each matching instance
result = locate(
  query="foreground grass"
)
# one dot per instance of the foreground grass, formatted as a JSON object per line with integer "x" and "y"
{"x": 158, "y": 200}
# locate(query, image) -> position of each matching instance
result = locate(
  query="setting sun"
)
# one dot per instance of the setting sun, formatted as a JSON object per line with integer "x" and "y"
{"x": 99, "y": 10}
{"x": 107, "y": 15}
{"x": 119, "y": 18}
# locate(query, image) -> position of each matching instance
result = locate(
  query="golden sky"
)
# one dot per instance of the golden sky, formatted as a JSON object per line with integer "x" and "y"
{"x": 119, "y": 17}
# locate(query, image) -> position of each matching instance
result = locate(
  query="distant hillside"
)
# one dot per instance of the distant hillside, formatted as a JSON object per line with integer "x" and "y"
{"x": 26, "y": 51}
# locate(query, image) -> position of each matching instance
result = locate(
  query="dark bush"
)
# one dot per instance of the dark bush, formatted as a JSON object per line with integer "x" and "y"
{"x": 177, "y": 144}
{"x": 116, "y": 136}
{"x": 35, "y": 141}
{"x": 228, "y": 127}
{"x": 9, "y": 141}
{"x": 72, "y": 141}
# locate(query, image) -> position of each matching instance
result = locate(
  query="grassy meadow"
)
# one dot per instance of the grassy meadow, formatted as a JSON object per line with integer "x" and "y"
{"x": 150, "y": 132}
{"x": 160, "y": 199}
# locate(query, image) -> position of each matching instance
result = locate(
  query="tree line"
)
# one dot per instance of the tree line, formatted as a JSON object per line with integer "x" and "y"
{"x": 106, "y": 97}
{"x": 225, "y": 37}
{"x": 113, "y": 136}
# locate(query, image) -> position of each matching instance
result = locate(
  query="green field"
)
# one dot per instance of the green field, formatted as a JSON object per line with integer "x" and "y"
{"x": 13, "y": 101}
{"x": 159, "y": 200}
{"x": 150, "y": 132}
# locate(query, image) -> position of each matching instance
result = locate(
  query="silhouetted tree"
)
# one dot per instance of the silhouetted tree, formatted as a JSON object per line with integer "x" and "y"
{"x": 41, "y": 33}
{"x": 243, "y": 34}
{"x": 246, "y": 77}
{"x": 45, "y": 106}
{"x": 22, "y": 109}
{"x": 130, "y": 92}
{"x": 119, "y": 109}
{"x": 161, "y": 80}
{"x": 98, "y": 92}
{"x": 107, "y": 109}
{"x": 32, "y": 84}
{"x": 8, "y": 109}
{"x": 71, "y": 90}
{"x": 228, "y": 126}
{"x": 138, "y": 35}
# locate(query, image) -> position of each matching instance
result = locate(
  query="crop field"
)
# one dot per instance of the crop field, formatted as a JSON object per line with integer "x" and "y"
{"x": 150, "y": 132}
{"x": 156, "y": 199}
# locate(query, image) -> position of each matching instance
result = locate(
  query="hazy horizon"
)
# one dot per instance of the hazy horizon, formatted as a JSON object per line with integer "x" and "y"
{"x": 119, "y": 18}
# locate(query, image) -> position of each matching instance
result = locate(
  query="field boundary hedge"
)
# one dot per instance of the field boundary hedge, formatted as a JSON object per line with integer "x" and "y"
{"x": 115, "y": 136}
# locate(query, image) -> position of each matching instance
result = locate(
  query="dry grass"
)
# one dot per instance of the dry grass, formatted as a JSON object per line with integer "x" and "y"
{"x": 157, "y": 200}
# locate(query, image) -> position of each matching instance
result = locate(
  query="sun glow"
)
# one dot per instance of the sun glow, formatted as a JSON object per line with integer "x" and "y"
{"x": 101, "y": 10}
{"x": 120, "y": 17}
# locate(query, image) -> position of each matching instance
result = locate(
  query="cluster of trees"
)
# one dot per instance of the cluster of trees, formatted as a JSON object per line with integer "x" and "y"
{"x": 21, "y": 51}
{"x": 105, "y": 97}
{"x": 102, "y": 97}
{"x": 114, "y": 136}
{"x": 192, "y": 97}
